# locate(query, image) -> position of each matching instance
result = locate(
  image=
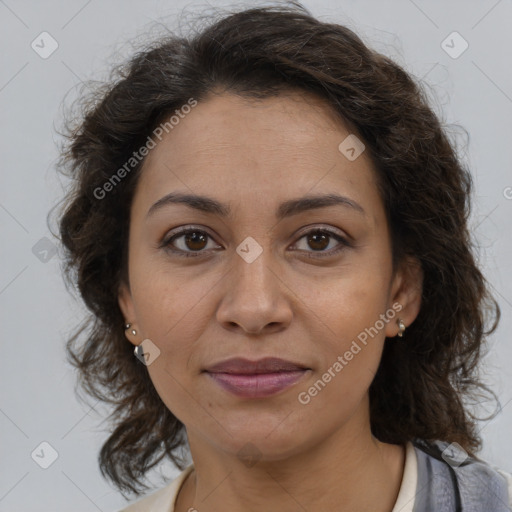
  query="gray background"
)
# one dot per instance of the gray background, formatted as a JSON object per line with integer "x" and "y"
{"x": 37, "y": 313}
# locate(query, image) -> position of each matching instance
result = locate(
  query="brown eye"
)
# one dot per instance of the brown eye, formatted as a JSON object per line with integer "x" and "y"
{"x": 187, "y": 242}
{"x": 195, "y": 240}
{"x": 319, "y": 240}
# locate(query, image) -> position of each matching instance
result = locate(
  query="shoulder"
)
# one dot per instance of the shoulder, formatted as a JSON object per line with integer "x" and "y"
{"x": 508, "y": 478}
{"x": 474, "y": 480}
{"x": 161, "y": 500}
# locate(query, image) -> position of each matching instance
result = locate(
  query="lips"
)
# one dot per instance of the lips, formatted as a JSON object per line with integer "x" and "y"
{"x": 242, "y": 366}
{"x": 256, "y": 379}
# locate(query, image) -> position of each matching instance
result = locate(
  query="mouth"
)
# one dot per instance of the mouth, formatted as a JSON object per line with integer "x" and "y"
{"x": 256, "y": 379}
{"x": 240, "y": 365}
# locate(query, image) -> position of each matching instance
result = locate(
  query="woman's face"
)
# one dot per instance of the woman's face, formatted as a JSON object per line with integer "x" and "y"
{"x": 258, "y": 281}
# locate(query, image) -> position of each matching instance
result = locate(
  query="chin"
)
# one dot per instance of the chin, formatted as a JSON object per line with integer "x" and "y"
{"x": 265, "y": 440}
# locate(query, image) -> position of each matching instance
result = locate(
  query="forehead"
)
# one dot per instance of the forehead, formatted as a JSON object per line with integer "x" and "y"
{"x": 240, "y": 149}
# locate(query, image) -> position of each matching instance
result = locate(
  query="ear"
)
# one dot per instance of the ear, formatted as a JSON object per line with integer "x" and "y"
{"x": 125, "y": 301}
{"x": 406, "y": 291}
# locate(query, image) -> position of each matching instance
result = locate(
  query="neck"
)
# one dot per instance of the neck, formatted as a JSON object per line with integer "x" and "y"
{"x": 343, "y": 472}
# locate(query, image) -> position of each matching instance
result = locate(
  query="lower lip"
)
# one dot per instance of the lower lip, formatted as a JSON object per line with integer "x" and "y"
{"x": 257, "y": 385}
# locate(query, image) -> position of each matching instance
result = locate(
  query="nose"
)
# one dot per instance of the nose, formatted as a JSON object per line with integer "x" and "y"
{"x": 255, "y": 300}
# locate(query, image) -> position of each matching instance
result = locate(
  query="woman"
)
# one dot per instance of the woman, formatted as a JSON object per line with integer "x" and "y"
{"x": 269, "y": 227}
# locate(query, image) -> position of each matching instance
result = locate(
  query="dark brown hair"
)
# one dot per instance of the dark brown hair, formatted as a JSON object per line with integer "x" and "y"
{"x": 424, "y": 383}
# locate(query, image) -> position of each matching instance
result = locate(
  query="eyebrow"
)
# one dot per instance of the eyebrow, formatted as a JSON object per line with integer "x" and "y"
{"x": 285, "y": 209}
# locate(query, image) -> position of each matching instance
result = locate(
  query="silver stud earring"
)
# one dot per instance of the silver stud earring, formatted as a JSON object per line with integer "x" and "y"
{"x": 401, "y": 326}
{"x": 127, "y": 326}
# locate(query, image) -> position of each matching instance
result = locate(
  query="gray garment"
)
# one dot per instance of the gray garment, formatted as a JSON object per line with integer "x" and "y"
{"x": 451, "y": 481}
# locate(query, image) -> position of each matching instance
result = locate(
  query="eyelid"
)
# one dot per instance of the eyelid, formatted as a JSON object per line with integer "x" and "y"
{"x": 323, "y": 227}
{"x": 180, "y": 231}
{"x": 343, "y": 240}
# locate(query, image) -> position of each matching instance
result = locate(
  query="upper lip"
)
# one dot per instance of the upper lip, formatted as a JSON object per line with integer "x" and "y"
{"x": 240, "y": 365}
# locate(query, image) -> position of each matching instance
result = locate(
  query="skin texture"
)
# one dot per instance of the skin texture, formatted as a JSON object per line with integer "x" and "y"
{"x": 253, "y": 155}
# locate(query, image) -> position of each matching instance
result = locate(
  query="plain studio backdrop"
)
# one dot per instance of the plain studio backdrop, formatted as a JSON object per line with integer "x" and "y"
{"x": 460, "y": 50}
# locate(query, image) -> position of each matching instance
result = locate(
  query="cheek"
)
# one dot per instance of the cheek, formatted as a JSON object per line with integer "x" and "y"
{"x": 169, "y": 301}
{"x": 344, "y": 306}
{"x": 344, "y": 319}
{"x": 171, "y": 312}
{"x": 350, "y": 350}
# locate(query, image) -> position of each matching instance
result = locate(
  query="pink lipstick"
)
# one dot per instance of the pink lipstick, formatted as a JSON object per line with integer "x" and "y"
{"x": 256, "y": 379}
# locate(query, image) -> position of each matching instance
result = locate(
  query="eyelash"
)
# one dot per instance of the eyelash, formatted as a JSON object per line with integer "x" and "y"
{"x": 166, "y": 243}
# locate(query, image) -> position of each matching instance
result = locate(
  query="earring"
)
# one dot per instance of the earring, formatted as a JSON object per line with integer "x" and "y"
{"x": 127, "y": 326}
{"x": 139, "y": 352}
{"x": 401, "y": 326}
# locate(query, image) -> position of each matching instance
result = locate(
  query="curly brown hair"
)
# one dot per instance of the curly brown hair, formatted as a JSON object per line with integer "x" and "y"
{"x": 421, "y": 386}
